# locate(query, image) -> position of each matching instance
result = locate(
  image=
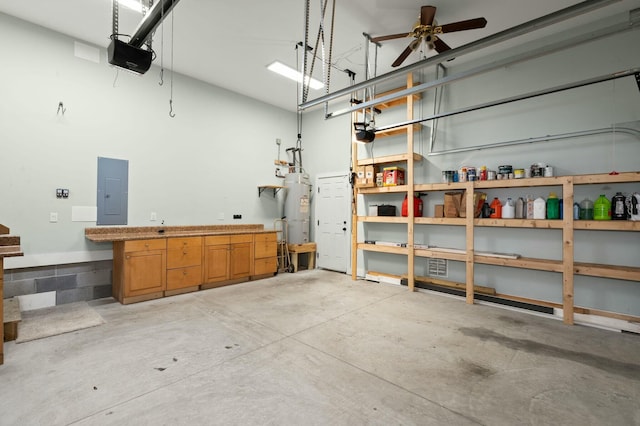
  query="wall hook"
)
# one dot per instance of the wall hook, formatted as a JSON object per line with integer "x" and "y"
{"x": 171, "y": 114}
{"x": 61, "y": 108}
{"x": 161, "y": 77}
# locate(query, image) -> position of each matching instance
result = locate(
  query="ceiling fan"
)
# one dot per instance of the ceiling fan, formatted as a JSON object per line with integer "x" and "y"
{"x": 427, "y": 30}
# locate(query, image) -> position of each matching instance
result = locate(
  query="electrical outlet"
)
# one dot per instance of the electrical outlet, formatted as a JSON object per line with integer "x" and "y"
{"x": 59, "y": 193}
{"x": 154, "y": 217}
{"x": 53, "y": 217}
{"x": 220, "y": 216}
{"x": 65, "y": 193}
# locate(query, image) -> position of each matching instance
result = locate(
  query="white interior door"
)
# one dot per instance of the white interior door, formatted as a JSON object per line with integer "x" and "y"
{"x": 333, "y": 222}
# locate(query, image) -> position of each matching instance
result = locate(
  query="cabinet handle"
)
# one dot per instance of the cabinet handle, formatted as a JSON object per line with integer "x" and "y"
{"x": 184, "y": 272}
{"x": 128, "y": 257}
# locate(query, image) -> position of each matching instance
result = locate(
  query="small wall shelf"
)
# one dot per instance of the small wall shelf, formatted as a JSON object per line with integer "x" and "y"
{"x": 275, "y": 189}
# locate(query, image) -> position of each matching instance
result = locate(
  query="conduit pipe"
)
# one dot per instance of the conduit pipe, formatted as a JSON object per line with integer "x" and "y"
{"x": 548, "y": 138}
{"x": 527, "y": 27}
{"x": 438, "y": 82}
{"x": 534, "y": 94}
{"x": 151, "y": 20}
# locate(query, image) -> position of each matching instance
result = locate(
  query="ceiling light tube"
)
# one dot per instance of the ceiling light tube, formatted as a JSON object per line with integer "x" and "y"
{"x": 290, "y": 73}
{"x": 133, "y": 5}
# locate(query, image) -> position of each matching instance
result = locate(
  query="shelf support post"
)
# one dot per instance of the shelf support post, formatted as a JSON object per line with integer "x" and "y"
{"x": 567, "y": 250}
{"x": 471, "y": 210}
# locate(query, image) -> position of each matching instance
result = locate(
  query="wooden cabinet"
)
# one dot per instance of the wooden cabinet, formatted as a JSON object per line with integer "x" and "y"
{"x": 139, "y": 271}
{"x": 228, "y": 259}
{"x": 265, "y": 253}
{"x": 184, "y": 264}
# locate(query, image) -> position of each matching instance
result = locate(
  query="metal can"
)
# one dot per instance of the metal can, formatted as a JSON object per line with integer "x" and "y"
{"x": 518, "y": 173}
{"x": 491, "y": 175}
{"x": 471, "y": 174}
{"x": 462, "y": 174}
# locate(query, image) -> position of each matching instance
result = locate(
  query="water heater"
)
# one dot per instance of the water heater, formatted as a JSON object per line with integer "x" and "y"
{"x": 297, "y": 205}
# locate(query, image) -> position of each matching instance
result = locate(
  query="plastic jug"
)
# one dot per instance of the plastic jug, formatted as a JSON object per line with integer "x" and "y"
{"x": 586, "y": 209}
{"x": 553, "y": 206}
{"x": 509, "y": 209}
{"x": 618, "y": 211}
{"x": 539, "y": 208}
{"x": 520, "y": 208}
{"x": 496, "y": 209}
{"x": 602, "y": 208}
{"x": 530, "y": 202}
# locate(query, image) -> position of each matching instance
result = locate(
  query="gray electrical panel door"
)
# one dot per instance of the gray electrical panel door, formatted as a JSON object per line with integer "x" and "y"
{"x": 113, "y": 191}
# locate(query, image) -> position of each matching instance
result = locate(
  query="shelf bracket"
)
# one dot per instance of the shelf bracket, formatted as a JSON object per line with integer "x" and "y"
{"x": 275, "y": 189}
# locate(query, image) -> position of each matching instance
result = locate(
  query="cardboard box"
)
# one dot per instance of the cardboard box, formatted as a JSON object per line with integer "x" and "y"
{"x": 393, "y": 176}
{"x": 366, "y": 176}
{"x": 439, "y": 211}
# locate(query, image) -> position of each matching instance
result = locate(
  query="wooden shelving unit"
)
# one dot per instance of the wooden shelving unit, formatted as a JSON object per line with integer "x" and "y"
{"x": 567, "y": 267}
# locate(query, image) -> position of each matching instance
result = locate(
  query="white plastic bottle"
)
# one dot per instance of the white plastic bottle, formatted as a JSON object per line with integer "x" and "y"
{"x": 509, "y": 209}
{"x": 530, "y": 200}
{"x": 539, "y": 208}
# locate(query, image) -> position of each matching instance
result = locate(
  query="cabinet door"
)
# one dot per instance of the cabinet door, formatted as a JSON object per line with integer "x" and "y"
{"x": 184, "y": 277}
{"x": 241, "y": 260}
{"x": 144, "y": 272}
{"x": 216, "y": 263}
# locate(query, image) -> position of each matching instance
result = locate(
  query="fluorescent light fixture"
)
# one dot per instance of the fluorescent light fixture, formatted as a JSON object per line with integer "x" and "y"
{"x": 290, "y": 73}
{"x": 134, "y": 5}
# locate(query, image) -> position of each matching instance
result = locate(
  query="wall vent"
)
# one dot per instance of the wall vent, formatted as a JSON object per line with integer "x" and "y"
{"x": 437, "y": 267}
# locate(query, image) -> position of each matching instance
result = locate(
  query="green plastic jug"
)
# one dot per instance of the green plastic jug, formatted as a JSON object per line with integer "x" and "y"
{"x": 553, "y": 206}
{"x": 602, "y": 208}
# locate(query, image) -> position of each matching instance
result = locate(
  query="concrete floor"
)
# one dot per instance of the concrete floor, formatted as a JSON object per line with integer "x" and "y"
{"x": 317, "y": 348}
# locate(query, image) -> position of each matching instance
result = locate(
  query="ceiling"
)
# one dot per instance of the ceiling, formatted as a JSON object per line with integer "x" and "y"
{"x": 230, "y": 43}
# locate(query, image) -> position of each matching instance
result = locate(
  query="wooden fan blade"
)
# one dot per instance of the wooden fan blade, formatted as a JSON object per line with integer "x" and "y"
{"x": 427, "y": 13}
{"x": 469, "y": 24}
{"x": 402, "y": 57}
{"x": 389, "y": 37}
{"x": 440, "y": 45}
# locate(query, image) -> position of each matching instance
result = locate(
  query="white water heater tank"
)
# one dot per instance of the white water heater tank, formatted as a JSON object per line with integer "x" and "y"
{"x": 297, "y": 207}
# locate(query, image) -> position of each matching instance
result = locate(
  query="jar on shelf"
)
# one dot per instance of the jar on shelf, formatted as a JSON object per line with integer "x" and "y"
{"x": 602, "y": 208}
{"x": 586, "y": 209}
{"x": 553, "y": 206}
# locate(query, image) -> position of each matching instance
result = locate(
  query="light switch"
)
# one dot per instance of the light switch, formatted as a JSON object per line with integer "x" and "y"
{"x": 53, "y": 217}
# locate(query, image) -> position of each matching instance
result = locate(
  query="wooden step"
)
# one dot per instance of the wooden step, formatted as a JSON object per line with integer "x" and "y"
{"x": 11, "y": 318}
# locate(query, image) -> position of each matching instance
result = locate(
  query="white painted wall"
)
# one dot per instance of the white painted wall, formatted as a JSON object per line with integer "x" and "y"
{"x": 191, "y": 169}
{"x": 591, "y": 107}
{"x": 210, "y": 158}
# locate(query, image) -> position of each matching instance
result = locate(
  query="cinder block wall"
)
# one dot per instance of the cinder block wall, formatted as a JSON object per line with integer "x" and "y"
{"x": 72, "y": 283}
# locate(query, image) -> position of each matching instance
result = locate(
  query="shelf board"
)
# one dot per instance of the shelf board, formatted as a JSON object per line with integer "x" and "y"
{"x": 383, "y": 219}
{"x": 439, "y": 186}
{"x": 383, "y": 189}
{"x": 520, "y": 223}
{"x": 383, "y": 249}
{"x": 521, "y": 262}
{"x": 606, "y": 225}
{"x": 457, "y": 221}
{"x": 511, "y": 183}
{"x": 389, "y": 159}
{"x": 629, "y": 273}
{"x": 437, "y": 254}
{"x": 398, "y": 130}
{"x": 606, "y": 178}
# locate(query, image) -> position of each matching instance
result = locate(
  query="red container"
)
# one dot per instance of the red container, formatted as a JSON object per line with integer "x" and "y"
{"x": 417, "y": 207}
{"x": 496, "y": 209}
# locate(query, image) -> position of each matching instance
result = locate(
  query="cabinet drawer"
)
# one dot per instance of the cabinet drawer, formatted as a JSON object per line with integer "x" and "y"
{"x": 145, "y": 245}
{"x": 178, "y": 243}
{"x": 265, "y": 266}
{"x": 242, "y": 238}
{"x": 184, "y": 256}
{"x": 265, "y": 245}
{"x": 214, "y": 240}
{"x": 184, "y": 277}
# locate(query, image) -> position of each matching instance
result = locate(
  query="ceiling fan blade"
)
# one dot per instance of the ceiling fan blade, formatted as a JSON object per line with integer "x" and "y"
{"x": 389, "y": 37}
{"x": 402, "y": 57}
{"x": 469, "y": 24}
{"x": 440, "y": 45}
{"x": 427, "y": 13}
